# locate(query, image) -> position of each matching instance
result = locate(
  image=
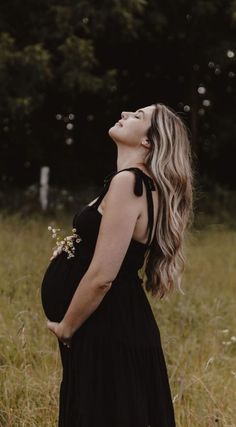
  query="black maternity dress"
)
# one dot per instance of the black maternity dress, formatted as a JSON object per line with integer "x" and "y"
{"x": 114, "y": 373}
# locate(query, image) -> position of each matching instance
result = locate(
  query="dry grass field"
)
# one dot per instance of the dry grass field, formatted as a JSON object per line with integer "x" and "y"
{"x": 198, "y": 328}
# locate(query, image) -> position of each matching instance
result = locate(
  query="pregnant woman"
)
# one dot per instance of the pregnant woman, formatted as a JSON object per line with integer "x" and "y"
{"x": 114, "y": 370}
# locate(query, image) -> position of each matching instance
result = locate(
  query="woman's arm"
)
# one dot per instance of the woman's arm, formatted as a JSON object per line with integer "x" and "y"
{"x": 115, "y": 233}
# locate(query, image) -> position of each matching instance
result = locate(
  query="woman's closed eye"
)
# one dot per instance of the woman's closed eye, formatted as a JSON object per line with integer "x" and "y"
{"x": 124, "y": 116}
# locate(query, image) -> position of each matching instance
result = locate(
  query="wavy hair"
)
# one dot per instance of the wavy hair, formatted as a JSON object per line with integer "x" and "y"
{"x": 169, "y": 161}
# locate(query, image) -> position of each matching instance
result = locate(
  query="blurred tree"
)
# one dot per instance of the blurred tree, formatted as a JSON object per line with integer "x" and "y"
{"x": 68, "y": 68}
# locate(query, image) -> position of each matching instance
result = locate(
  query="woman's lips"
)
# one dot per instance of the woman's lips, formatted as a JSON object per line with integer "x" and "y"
{"x": 119, "y": 123}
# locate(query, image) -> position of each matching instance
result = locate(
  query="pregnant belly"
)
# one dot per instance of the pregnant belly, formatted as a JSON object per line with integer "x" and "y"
{"x": 59, "y": 284}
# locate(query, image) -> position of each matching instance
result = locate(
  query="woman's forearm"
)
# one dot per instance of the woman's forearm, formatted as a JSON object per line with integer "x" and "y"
{"x": 86, "y": 299}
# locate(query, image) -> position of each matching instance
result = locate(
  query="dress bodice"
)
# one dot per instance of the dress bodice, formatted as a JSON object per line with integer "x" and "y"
{"x": 88, "y": 220}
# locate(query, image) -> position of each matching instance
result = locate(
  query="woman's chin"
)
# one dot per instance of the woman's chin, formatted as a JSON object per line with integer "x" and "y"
{"x": 112, "y": 132}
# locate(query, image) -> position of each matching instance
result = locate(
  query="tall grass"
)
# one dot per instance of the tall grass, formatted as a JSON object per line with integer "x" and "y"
{"x": 198, "y": 328}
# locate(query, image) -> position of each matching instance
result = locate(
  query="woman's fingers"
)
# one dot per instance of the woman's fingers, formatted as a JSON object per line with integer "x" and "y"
{"x": 55, "y": 253}
{"x": 57, "y": 329}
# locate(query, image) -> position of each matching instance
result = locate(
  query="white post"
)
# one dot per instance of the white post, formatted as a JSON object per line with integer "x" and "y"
{"x": 43, "y": 193}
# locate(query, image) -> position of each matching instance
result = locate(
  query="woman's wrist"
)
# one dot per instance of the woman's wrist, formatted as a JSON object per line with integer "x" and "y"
{"x": 66, "y": 329}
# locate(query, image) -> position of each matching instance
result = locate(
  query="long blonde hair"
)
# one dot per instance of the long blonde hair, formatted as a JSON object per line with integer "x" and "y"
{"x": 170, "y": 163}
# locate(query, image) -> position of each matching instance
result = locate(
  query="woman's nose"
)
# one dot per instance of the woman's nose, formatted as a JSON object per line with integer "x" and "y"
{"x": 124, "y": 114}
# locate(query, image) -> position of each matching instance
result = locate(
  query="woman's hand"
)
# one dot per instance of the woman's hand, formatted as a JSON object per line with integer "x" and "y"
{"x": 56, "y": 252}
{"x": 60, "y": 331}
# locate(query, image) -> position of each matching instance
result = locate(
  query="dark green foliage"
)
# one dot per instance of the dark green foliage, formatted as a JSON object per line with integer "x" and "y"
{"x": 92, "y": 59}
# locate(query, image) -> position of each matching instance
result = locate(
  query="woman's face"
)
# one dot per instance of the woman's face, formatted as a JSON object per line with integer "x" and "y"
{"x": 132, "y": 127}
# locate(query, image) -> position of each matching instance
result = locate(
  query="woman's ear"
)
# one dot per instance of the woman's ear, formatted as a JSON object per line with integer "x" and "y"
{"x": 146, "y": 143}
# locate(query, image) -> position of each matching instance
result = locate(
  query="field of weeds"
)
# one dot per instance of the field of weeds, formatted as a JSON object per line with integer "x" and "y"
{"x": 198, "y": 328}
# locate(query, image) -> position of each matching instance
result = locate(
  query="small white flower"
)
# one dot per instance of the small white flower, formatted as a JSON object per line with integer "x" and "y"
{"x": 226, "y": 342}
{"x": 66, "y": 244}
{"x": 233, "y": 338}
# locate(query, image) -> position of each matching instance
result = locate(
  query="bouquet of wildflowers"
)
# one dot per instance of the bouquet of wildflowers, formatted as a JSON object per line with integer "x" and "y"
{"x": 65, "y": 244}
